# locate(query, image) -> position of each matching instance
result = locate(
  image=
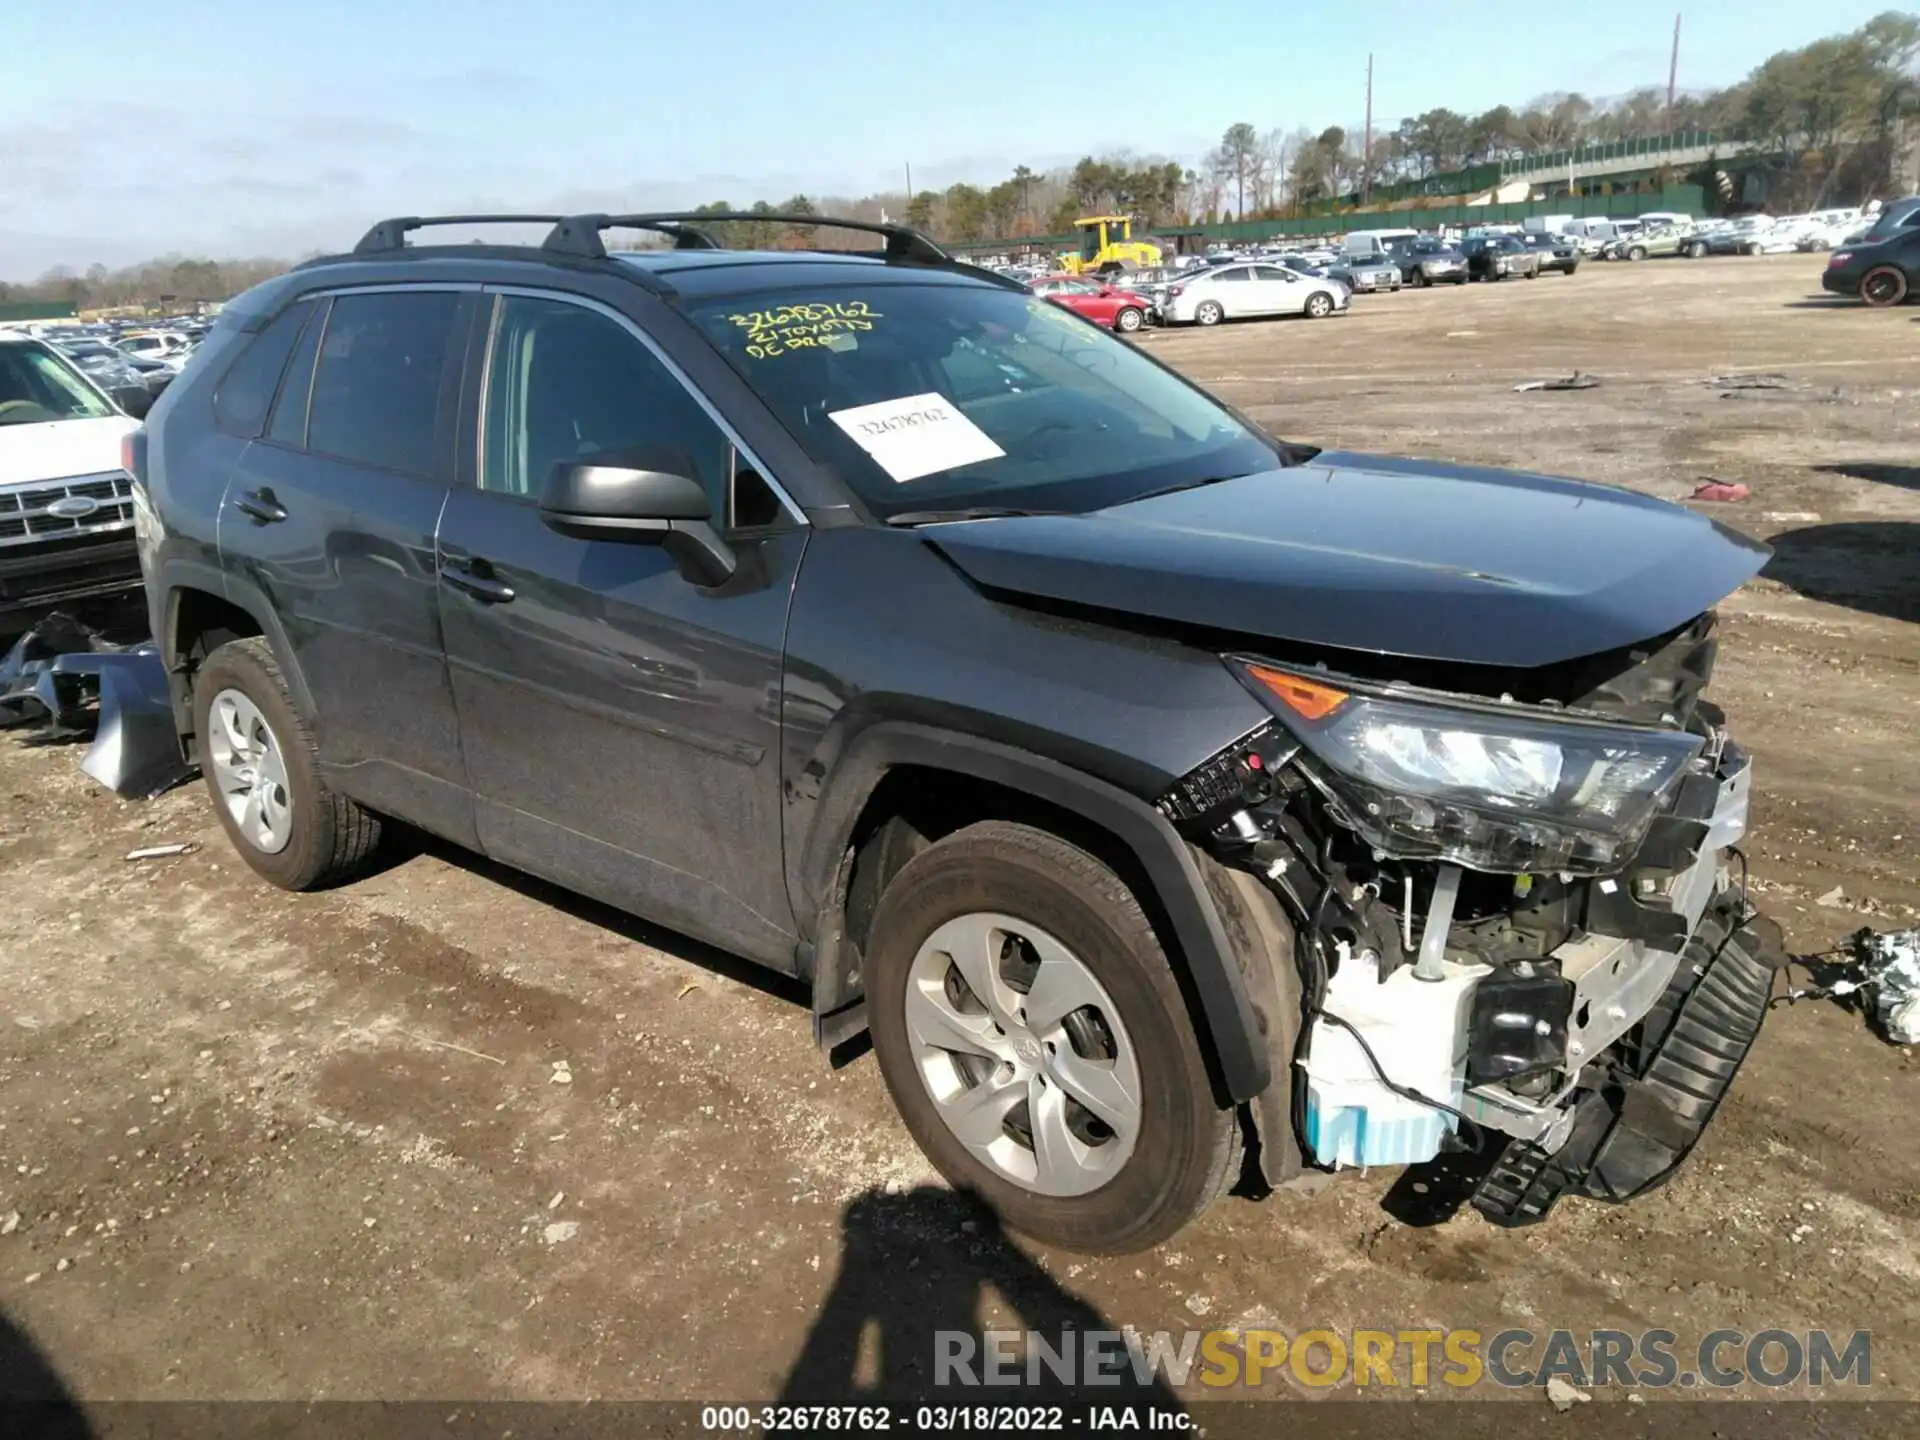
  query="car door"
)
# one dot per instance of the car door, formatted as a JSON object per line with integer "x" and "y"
{"x": 330, "y": 516}
{"x": 1232, "y": 289}
{"x": 619, "y": 723}
{"x": 1278, "y": 290}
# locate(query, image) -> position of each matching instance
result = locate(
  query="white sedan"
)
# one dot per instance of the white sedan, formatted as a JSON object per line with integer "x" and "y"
{"x": 1234, "y": 292}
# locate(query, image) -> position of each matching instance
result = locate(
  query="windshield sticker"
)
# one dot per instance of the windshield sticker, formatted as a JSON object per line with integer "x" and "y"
{"x": 915, "y": 436}
{"x": 804, "y": 326}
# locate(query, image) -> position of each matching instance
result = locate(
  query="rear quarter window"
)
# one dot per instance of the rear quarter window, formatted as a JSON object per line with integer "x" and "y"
{"x": 245, "y": 393}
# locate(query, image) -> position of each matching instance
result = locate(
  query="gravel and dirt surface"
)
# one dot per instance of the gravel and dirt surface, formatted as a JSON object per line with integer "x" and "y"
{"x": 448, "y": 1132}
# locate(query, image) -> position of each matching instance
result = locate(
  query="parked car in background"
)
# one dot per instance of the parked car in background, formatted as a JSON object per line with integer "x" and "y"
{"x": 1557, "y": 253}
{"x": 1378, "y": 271}
{"x": 1240, "y": 292}
{"x": 1744, "y": 236}
{"x": 123, "y": 378}
{"x": 1499, "y": 257}
{"x": 1824, "y": 229}
{"x": 1653, "y": 241}
{"x": 66, "y": 501}
{"x": 1883, "y": 274}
{"x": 1425, "y": 260}
{"x": 1095, "y": 300}
{"x": 169, "y": 350}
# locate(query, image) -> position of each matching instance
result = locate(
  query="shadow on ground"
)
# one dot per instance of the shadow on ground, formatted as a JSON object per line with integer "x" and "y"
{"x": 34, "y": 1400}
{"x": 1867, "y": 565}
{"x": 915, "y": 1269}
{"x": 1907, "y": 477}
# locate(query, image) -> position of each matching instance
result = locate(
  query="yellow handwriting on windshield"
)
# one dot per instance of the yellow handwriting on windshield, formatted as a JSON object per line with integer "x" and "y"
{"x": 788, "y": 328}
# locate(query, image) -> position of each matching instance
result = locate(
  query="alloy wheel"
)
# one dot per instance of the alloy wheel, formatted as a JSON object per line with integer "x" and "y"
{"x": 1024, "y": 1054}
{"x": 1883, "y": 286}
{"x": 250, "y": 772}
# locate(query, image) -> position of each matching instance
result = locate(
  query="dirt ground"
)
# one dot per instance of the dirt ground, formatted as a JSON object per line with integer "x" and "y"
{"x": 448, "y": 1132}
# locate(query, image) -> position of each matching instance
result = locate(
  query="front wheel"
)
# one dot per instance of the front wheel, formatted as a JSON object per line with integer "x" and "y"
{"x": 1421, "y": 280}
{"x": 1883, "y": 286}
{"x": 1130, "y": 319}
{"x": 1638, "y": 252}
{"x": 1696, "y": 250}
{"x": 1032, "y": 1034}
{"x": 1319, "y": 305}
{"x": 1208, "y": 312}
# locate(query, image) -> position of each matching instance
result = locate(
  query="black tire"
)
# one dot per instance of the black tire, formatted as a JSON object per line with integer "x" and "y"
{"x": 1884, "y": 286}
{"x": 1209, "y": 312}
{"x": 1189, "y": 1149}
{"x": 1129, "y": 319}
{"x": 1637, "y": 252}
{"x": 1319, "y": 305}
{"x": 1696, "y": 250}
{"x": 331, "y": 836}
{"x": 1422, "y": 280}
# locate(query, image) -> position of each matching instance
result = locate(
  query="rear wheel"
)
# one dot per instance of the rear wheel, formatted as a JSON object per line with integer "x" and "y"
{"x": 1208, "y": 312}
{"x": 1884, "y": 285}
{"x": 1130, "y": 319}
{"x": 1319, "y": 305}
{"x": 259, "y": 761}
{"x": 1033, "y": 1036}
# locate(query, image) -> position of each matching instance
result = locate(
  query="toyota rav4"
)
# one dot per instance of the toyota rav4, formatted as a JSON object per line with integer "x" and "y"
{"x": 1150, "y": 789}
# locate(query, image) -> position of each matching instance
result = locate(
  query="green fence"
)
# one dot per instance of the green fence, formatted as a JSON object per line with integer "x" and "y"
{"x": 17, "y": 310}
{"x": 1588, "y": 157}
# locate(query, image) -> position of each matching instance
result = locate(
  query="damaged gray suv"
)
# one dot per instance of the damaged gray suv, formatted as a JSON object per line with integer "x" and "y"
{"x": 1172, "y": 804}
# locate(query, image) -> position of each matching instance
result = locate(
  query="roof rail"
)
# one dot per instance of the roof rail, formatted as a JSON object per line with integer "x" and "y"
{"x": 392, "y": 234}
{"x": 580, "y": 235}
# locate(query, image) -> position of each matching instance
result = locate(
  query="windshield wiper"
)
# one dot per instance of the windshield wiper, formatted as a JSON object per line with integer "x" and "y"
{"x": 967, "y": 512}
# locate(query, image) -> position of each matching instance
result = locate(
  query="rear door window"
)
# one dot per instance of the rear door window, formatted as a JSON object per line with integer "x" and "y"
{"x": 377, "y": 384}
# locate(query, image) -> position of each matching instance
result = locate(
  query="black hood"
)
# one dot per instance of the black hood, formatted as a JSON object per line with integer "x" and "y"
{"x": 1398, "y": 557}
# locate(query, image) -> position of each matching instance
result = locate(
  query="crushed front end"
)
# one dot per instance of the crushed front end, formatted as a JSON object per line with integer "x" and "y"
{"x": 1519, "y": 911}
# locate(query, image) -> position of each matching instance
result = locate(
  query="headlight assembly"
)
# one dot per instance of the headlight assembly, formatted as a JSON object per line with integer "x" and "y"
{"x": 1486, "y": 787}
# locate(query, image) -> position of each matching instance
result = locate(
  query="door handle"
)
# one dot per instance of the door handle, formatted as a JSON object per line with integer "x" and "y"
{"x": 261, "y": 505}
{"x": 475, "y": 578}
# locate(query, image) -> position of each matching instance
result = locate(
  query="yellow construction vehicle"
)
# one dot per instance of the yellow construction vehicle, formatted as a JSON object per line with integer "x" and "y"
{"x": 1107, "y": 241}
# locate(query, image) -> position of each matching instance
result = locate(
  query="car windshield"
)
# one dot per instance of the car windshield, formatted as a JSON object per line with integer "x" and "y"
{"x": 941, "y": 396}
{"x": 36, "y": 387}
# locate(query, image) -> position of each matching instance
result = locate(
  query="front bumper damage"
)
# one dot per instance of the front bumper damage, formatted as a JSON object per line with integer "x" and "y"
{"x": 1626, "y": 1136}
{"x": 1587, "y": 1067}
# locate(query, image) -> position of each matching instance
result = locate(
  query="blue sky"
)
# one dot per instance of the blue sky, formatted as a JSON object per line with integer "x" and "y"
{"x": 274, "y": 126}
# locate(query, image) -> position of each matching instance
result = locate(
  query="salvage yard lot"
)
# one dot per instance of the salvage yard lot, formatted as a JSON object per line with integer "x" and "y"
{"x": 447, "y": 1132}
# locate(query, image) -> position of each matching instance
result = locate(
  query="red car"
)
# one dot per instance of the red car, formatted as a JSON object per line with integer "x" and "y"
{"x": 1099, "y": 302}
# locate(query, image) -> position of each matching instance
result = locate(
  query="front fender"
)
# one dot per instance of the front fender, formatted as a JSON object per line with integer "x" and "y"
{"x": 1228, "y": 1016}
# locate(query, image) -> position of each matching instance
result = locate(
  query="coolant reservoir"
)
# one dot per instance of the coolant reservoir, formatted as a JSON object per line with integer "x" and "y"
{"x": 1417, "y": 1030}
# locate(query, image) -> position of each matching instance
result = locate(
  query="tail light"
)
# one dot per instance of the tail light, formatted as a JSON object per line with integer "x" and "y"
{"x": 1839, "y": 257}
{"x": 133, "y": 455}
{"x": 1174, "y": 291}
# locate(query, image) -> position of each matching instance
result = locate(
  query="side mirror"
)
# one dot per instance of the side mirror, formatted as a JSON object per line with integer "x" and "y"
{"x": 646, "y": 496}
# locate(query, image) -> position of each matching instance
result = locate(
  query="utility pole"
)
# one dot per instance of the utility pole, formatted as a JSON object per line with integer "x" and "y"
{"x": 1673, "y": 73}
{"x": 909, "y": 182}
{"x": 1366, "y": 144}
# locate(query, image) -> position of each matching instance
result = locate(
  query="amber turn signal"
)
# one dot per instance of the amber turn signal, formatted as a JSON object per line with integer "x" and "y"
{"x": 1308, "y": 700}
